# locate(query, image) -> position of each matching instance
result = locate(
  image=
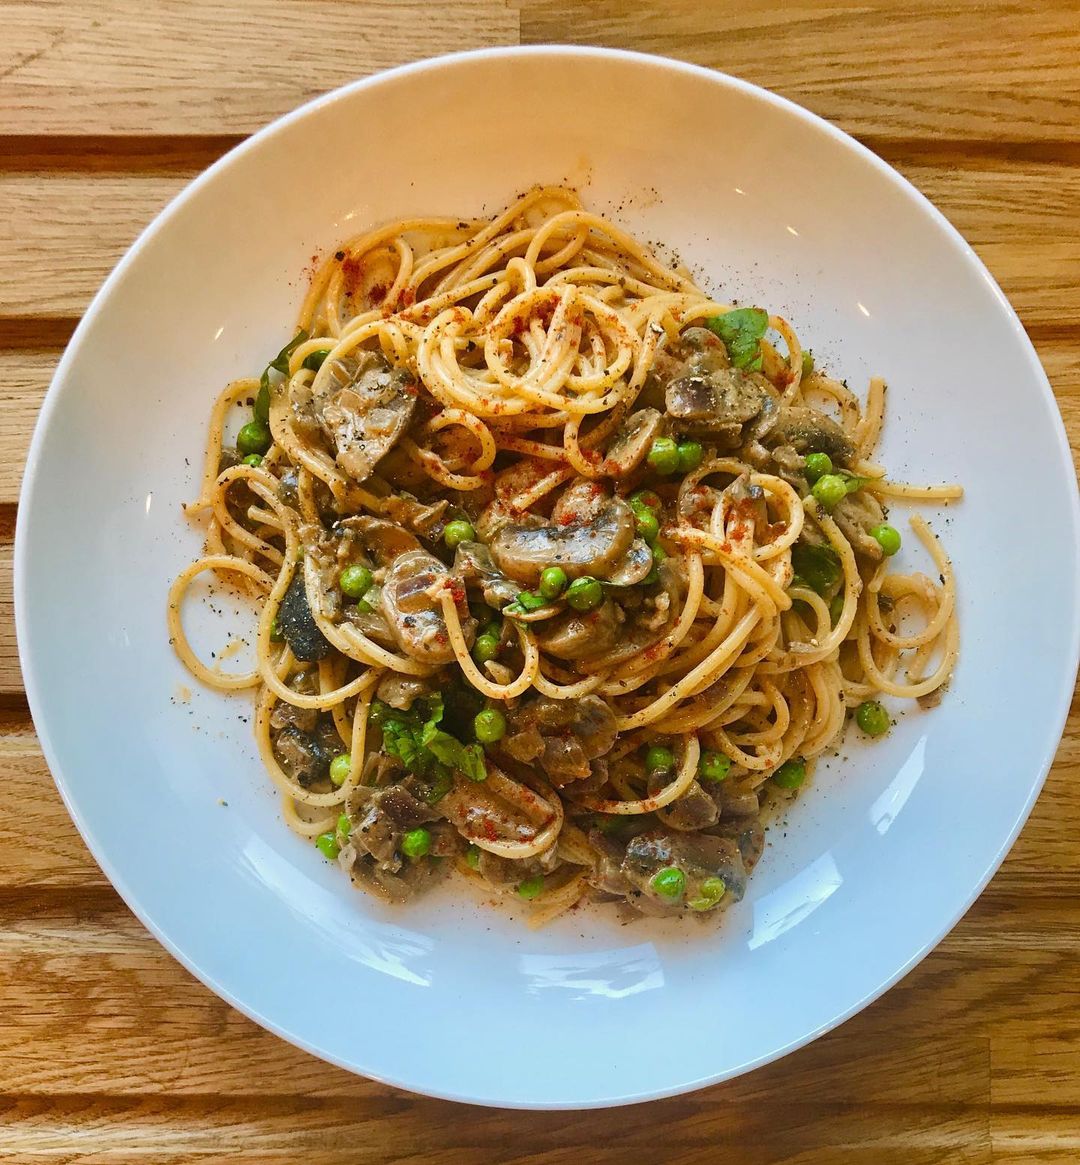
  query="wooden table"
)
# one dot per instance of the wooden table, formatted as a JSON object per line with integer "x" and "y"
{"x": 109, "y": 1051}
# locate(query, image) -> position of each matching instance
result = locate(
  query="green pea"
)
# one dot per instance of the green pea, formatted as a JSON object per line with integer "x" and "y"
{"x": 817, "y": 465}
{"x": 646, "y": 498}
{"x": 472, "y": 857}
{"x": 253, "y": 459}
{"x": 458, "y": 532}
{"x": 584, "y": 594}
{"x": 659, "y": 553}
{"x": 327, "y": 845}
{"x": 659, "y": 759}
{"x": 531, "y": 888}
{"x": 887, "y": 537}
{"x": 713, "y": 766}
{"x": 415, "y": 843}
{"x": 829, "y": 490}
{"x": 872, "y": 718}
{"x": 314, "y": 360}
{"x": 344, "y": 826}
{"x": 647, "y": 524}
{"x": 807, "y": 363}
{"x": 691, "y": 455}
{"x": 254, "y": 437}
{"x": 355, "y": 581}
{"x": 489, "y": 725}
{"x": 486, "y": 647}
{"x": 340, "y": 767}
{"x": 552, "y": 582}
{"x": 791, "y": 774}
{"x": 261, "y": 409}
{"x": 709, "y": 894}
{"x": 664, "y": 456}
{"x": 364, "y": 607}
{"x": 670, "y": 882}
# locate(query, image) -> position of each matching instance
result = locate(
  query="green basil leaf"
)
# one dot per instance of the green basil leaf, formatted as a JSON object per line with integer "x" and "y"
{"x": 742, "y": 331}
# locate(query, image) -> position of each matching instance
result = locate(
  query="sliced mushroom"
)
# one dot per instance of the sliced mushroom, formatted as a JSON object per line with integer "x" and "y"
{"x": 581, "y": 501}
{"x": 305, "y": 753}
{"x": 633, "y": 567}
{"x": 857, "y": 515}
{"x": 384, "y": 541}
{"x": 472, "y": 561}
{"x": 363, "y": 406}
{"x": 809, "y": 431}
{"x": 699, "y": 856}
{"x": 706, "y": 397}
{"x": 400, "y": 691}
{"x": 581, "y": 548}
{"x": 714, "y": 404}
{"x": 297, "y": 624}
{"x": 632, "y": 442}
{"x": 562, "y": 737}
{"x": 693, "y": 811}
{"x": 581, "y": 635}
{"x": 410, "y": 603}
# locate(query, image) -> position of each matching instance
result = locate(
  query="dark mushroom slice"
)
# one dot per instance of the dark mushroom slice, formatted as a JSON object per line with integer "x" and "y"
{"x": 561, "y": 737}
{"x": 363, "y": 406}
{"x": 808, "y": 430}
{"x": 410, "y": 604}
{"x": 581, "y": 635}
{"x": 693, "y": 811}
{"x": 705, "y": 397}
{"x": 633, "y": 567}
{"x": 580, "y": 548}
{"x": 304, "y": 753}
{"x": 857, "y": 515}
{"x": 297, "y": 624}
{"x": 383, "y": 815}
{"x": 632, "y": 442}
{"x": 715, "y": 405}
{"x": 699, "y": 856}
{"x": 384, "y": 541}
{"x": 473, "y": 562}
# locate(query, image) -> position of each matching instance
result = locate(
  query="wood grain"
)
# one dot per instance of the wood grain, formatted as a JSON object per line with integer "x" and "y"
{"x": 110, "y": 1052}
{"x": 200, "y": 67}
{"x": 971, "y": 70}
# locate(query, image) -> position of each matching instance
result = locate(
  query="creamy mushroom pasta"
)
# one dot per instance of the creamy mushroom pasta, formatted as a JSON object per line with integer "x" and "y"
{"x": 563, "y": 569}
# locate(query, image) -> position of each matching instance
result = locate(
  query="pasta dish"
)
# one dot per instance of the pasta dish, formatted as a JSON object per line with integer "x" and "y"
{"x": 565, "y": 573}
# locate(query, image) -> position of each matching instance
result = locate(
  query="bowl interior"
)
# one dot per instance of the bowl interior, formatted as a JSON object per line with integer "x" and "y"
{"x": 866, "y": 871}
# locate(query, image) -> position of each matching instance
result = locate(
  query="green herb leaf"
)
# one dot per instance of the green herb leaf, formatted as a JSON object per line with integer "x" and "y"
{"x": 531, "y": 602}
{"x": 742, "y": 331}
{"x": 424, "y": 748}
{"x": 280, "y": 362}
{"x": 817, "y": 567}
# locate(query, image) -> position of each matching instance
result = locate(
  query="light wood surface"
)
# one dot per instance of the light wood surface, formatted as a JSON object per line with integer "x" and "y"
{"x": 109, "y": 1051}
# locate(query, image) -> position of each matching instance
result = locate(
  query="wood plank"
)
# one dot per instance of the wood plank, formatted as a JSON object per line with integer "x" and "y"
{"x": 396, "y": 1130}
{"x": 24, "y": 377}
{"x": 971, "y": 70}
{"x": 60, "y": 236}
{"x": 1024, "y": 219}
{"x": 198, "y": 67}
{"x": 10, "y": 673}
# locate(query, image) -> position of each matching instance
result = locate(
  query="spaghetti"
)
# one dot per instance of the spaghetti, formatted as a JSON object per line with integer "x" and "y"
{"x": 565, "y": 572}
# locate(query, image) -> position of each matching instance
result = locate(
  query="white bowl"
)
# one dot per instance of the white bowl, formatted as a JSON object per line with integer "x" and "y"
{"x": 450, "y": 996}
